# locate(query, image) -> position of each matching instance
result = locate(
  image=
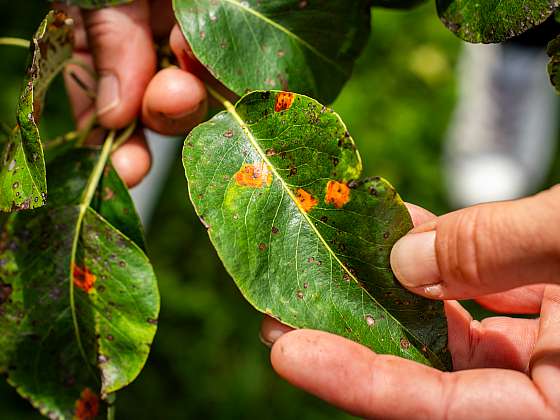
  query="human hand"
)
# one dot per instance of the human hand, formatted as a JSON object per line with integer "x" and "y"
{"x": 506, "y": 255}
{"x": 119, "y": 43}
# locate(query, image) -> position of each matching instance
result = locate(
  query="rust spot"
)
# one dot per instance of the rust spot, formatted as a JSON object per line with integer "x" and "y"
{"x": 274, "y": 230}
{"x": 299, "y": 294}
{"x": 262, "y": 246}
{"x": 305, "y": 200}
{"x": 338, "y": 194}
{"x": 83, "y": 278}
{"x": 254, "y": 176}
{"x": 284, "y": 100}
{"x": 87, "y": 407}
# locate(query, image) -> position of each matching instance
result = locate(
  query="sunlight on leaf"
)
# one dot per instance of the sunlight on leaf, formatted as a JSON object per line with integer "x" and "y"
{"x": 277, "y": 182}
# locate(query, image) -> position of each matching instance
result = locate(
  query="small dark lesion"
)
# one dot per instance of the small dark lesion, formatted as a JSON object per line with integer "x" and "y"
{"x": 5, "y": 292}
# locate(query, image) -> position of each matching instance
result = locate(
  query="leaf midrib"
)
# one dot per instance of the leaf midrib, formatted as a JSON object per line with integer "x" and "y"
{"x": 289, "y": 33}
{"x": 230, "y": 108}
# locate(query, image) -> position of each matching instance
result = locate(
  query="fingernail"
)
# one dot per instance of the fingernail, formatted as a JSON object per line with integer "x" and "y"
{"x": 272, "y": 334}
{"x": 182, "y": 115}
{"x": 108, "y": 93}
{"x": 414, "y": 262}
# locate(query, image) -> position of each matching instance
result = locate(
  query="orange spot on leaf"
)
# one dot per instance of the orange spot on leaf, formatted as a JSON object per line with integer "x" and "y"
{"x": 87, "y": 407}
{"x": 338, "y": 194}
{"x": 305, "y": 200}
{"x": 83, "y": 278}
{"x": 254, "y": 176}
{"x": 284, "y": 100}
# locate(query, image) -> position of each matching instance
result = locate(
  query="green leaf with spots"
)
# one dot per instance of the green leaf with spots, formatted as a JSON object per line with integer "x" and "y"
{"x": 493, "y": 21}
{"x": 553, "y": 51}
{"x": 276, "y": 181}
{"x": 306, "y": 46}
{"x": 398, "y": 4}
{"x": 94, "y": 4}
{"x": 78, "y": 298}
{"x": 22, "y": 165}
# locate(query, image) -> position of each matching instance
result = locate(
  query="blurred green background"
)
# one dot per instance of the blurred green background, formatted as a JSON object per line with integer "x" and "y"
{"x": 207, "y": 360}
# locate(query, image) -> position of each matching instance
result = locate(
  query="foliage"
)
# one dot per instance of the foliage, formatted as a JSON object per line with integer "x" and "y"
{"x": 276, "y": 180}
{"x": 285, "y": 44}
{"x": 406, "y": 128}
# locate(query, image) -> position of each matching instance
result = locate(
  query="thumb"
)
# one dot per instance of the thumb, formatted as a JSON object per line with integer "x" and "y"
{"x": 122, "y": 46}
{"x": 484, "y": 249}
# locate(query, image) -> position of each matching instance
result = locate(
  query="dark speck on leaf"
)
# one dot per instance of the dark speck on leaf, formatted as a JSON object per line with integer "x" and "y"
{"x": 324, "y": 219}
{"x": 305, "y": 285}
{"x": 386, "y": 235}
{"x": 275, "y": 230}
{"x": 299, "y": 294}
{"x": 262, "y": 246}
{"x": 335, "y": 161}
{"x": 270, "y": 152}
{"x": 228, "y": 134}
{"x": 122, "y": 264}
{"x": 373, "y": 191}
{"x": 152, "y": 321}
{"x": 405, "y": 344}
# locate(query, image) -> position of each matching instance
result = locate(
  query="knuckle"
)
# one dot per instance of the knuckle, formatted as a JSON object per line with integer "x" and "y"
{"x": 459, "y": 253}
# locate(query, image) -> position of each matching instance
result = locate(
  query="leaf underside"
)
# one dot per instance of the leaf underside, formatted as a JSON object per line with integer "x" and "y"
{"x": 275, "y": 182}
{"x": 307, "y": 47}
{"x": 22, "y": 165}
{"x": 113, "y": 285}
{"x": 491, "y": 21}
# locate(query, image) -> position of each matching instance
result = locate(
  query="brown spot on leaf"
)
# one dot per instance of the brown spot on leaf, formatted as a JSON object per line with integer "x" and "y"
{"x": 254, "y": 176}
{"x": 87, "y": 407}
{"x": 299, "y": 294}
{"x": 262, "y": 246}
{"x": 305, "y": 200}
{"x": 337, "y": 194}
{"x": 284, "y": 100}
{"x": 83, "y": 278}
{"x": 274, "y": 230}
{"x": 405, "y": 344}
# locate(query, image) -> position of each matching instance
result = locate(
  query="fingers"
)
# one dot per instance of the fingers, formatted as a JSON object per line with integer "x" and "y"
{"x": 482, "y": 250}
{"x": 419, "y": 215}
{"x": 523, "y": 300}
{"x": 545, "y": 362}
{"x": 496, "y": 342}
{"x": 133, "y": 159}
{"x": 121, "y": 43}
{"x": 272, "y": 330}
{"x": 357, "y": 380}
{"x": 174, "y": 103}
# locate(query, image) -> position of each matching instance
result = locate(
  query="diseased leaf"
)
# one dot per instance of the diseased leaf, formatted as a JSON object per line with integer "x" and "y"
{"x": 22, "y": 165}
{"x": 553, "y": 51}
{"x": 77, "y": 322}
{"x": 276, "y": 182}
{"x": 493, "y": 21}
{"x": 398, "y": 4}
{"x": 94, "y": 4}
{"x": 304, "y": 46}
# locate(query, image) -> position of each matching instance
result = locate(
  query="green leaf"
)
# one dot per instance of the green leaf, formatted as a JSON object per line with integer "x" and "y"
{"x": 553, "y": 51}
{"x": 275, "y": 181}
{"x": 299, "y": 45}
{"x": 22, "y": 164}
{"x": 398, "y": 4}
{"x": 493, "y": 21}
{"x": 95, "y": 4}
{"x": 78, "y": 298}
